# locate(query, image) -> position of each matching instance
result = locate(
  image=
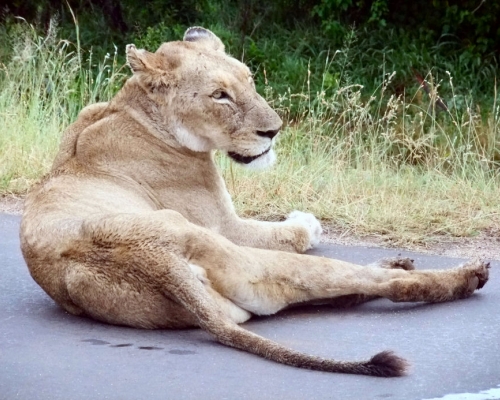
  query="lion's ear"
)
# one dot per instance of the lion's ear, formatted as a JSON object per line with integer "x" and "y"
{"x": 138, "y": 60}
{"x": 202, "y": 35}
{"x": 149, "y": 69}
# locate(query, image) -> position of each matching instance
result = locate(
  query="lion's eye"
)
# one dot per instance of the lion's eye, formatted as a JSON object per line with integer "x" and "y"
{"x": 220, "y": 95}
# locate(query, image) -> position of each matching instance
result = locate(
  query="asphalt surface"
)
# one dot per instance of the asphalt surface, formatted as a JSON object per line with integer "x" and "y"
{"x": 46, "y": 353}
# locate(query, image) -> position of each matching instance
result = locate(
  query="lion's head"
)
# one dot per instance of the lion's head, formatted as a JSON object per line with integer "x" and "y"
{"x": 205, "y": 98}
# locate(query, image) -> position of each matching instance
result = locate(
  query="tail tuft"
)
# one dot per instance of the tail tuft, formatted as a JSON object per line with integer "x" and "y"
{"x": 387, "y": 364}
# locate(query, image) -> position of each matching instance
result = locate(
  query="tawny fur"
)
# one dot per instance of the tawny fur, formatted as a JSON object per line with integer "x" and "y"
{"x": 134, "y": 225}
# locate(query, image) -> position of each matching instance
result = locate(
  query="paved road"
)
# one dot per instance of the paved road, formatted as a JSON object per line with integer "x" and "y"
{"x": 48, "y": 354}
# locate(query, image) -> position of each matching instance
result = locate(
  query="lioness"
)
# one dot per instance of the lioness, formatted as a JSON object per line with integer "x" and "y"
{"x": 134, "y": 225}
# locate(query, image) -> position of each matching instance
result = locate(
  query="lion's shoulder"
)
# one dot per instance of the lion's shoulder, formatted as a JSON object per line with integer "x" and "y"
{"x": 87, "y": 117}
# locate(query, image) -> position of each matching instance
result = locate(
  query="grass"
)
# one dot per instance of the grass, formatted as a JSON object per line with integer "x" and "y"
{"x": 43, "y": 86}
{"x": 381, "y": 164}
{"x": 406, "y": 206}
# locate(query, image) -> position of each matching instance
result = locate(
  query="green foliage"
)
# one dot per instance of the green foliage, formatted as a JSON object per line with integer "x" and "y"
{"x": 378, "y": 10}
{"x": 152, "y": 37}
{"x": 472, "y": 23}
{"x": 330, "y": 14}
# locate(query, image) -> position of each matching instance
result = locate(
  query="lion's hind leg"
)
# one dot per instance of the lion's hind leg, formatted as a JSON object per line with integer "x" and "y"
{"x": 353, "y": 300}
{"x": 285, "y": 279}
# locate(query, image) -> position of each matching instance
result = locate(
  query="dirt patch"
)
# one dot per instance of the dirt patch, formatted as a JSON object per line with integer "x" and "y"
{"x": 11, "y": 204}
{"x": 484, "y": 246}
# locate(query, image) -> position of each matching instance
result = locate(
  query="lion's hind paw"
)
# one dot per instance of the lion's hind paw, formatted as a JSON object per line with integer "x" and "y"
{"x": 479, "y": 271}
{"x": 476, "y": 274}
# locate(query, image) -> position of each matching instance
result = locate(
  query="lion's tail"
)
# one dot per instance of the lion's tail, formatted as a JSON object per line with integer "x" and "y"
{"x": 384, "y": 364}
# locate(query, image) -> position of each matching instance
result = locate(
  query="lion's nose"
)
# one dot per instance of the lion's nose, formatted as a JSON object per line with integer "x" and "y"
{"x": 269, "y": 134}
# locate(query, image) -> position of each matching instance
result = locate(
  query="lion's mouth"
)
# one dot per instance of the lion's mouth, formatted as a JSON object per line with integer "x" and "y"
{"x": 246, "y": 159}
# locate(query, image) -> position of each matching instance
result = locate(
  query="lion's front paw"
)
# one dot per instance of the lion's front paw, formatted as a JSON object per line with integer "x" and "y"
{"x": 309, "y": 222}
